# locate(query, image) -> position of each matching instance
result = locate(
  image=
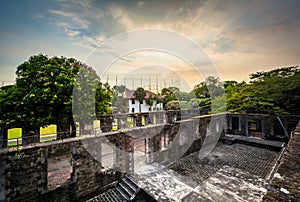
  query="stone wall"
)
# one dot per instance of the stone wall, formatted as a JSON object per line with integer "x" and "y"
{"x": 24, "y": 171}
{"x": 268, "y": 126}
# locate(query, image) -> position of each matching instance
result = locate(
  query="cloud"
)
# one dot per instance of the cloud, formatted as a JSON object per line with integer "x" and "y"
{"x": 225, "y": 30}
{"x": 140, "y": 4}
{"x": 62, "y": 13}
{"x": 39, "y": 16}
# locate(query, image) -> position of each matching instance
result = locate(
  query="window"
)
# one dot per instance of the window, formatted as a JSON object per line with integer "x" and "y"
{"x": 59, "y": 171}
{"x": 133, "y": 102}
{"x": 132, "y": 110}
{"x": 235, "y": 123}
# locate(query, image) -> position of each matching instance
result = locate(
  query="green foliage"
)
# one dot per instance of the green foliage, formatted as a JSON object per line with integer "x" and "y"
{"x": 139, "y": 95}
{"x": 103, "y": 99}
{"x": 210, "y": 88}
{"x": 169, "y": 94}
{"x": 43, "y": 92}
{"x": 120, "y": 90}
{"x": 150, "y": 101}
{"x": 184, "y": 96}
{"x": 204, "y": 103}
{"x": 117, "y": 99}
{"x": 273, "y": 92}
{"x": 173, "y": 105}
{"x": 45, "y": 85}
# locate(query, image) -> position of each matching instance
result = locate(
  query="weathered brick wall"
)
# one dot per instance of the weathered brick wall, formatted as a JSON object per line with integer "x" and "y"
{"x": 23, "y": 173}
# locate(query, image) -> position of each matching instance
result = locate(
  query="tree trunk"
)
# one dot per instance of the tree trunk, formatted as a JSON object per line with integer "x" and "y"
{"x": 73, "y": 125}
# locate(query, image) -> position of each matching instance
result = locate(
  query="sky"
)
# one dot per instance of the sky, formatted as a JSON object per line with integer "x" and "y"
{"x": 236, "y": 37}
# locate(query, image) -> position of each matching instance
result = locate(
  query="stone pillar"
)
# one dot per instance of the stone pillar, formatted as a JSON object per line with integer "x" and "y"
{"x": 122, "y": 121}
{"x": 229, "y": 122}
{"x": 30, "y": 137}
{"x": 3, "y": 136}
{"x": 149, "y": 118}
{"x": 25, "y": 138}
{"x": 159, "y": 117}
{"x": 267, "y": 127}
{"x": 154, "y": 118}
{"x": 202, "y": 128}
{"x": 170, "y": 117}
{"x": 244, "y": 125}
{"x": 124, "y": 152}
{"x": 149, "y": 150}
{"x": 105, "y": 123}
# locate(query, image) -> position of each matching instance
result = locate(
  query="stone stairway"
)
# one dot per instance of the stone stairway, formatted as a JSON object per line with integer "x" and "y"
{"x": 125, "y": 190}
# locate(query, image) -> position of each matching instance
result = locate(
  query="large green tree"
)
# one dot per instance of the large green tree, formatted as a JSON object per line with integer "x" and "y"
{"x": 43, "y": 93}
{"x": 273, "y": 92}
{"x": 46, "y": 85}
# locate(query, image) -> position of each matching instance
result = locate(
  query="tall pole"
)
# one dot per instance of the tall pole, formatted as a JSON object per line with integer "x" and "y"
{"x": 132, "y": 83}
{"x": 124, "y": 80}
{"x": 150, "y": 82}
{"x": 156, "y": 83}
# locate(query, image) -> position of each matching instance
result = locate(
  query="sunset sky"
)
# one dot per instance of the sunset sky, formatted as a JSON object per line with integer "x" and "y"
{"x": 239, "y": 37}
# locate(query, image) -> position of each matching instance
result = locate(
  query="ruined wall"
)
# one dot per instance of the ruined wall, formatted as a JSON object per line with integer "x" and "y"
{"x": 267, "y": 126}
{"x": 24, "y": 171}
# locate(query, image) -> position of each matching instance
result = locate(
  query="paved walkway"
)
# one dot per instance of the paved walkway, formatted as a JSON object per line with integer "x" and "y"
{"x": 285, "y": 185}
{"x": 230, "y": 173}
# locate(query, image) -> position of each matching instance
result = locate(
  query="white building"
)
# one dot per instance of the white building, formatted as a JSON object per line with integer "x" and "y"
{"x": 134, "y": 105}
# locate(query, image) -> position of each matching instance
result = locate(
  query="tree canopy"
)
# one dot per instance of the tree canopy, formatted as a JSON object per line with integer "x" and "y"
{"x": 139, "y": 95}
{"x": 43, "y": 93}
{"x": 274, "y": 92}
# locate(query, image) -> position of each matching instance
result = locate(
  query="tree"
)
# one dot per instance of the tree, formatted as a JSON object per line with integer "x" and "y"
{"x": 11, "y": 106}
{"x": 43, "y": 93}
{"x": 185, "y": 96}
{"x": 150, "y": 100}
{"x": 120, "y": 90}
{"x": 139, "y": 95}
{"x": 169, "y": 94}
{"x": 280, "y": 87}
{"x": 117, "y": 98}
{"x": 210, "y": 88}
{"x": 173, "y": 105}
{"x": 91, "y": 98}
{"x": 103, "y": 100}
{"x": 46, "y": 86}
{"x": 274, "y": 92}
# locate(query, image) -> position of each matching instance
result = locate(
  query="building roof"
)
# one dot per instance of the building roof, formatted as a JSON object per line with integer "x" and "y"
{"x": 129, "y": 94}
